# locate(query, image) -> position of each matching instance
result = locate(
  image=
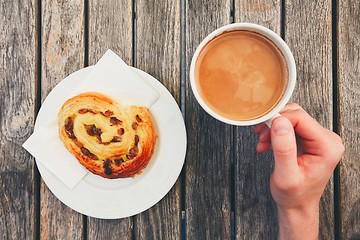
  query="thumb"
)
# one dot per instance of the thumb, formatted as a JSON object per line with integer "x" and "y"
{"x": 283, "y": 143}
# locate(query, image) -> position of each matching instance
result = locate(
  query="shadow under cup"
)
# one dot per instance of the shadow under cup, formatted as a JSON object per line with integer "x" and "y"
{"x": 241, "y": 76}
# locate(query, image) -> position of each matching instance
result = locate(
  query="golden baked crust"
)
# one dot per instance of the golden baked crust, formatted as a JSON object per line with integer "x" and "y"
{"x": 108, "y": 139}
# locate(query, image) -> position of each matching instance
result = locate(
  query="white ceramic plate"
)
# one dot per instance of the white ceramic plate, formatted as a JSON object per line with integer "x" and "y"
{"x": 118, "y": 198}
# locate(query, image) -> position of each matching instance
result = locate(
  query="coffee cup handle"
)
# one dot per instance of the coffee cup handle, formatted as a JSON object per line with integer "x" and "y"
{"x": 269, "y": 121}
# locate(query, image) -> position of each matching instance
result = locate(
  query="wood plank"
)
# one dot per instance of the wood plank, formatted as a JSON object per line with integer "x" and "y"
{"x": 308, "y": 33}
{"x": 62, "y": 54}
{"x": 18, "y": 76}
{"x": 349, "y": 108}
{"x": 158, "y": 38}
{"x": 265, "y": 13}
{"x": 110, "y": 27}
{"x": 209, "y": 154}
{"x": 255, "y": 211}
{"x": 109, "y": 229}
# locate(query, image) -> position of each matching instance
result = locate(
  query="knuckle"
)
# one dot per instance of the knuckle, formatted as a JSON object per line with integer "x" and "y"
{"x": 264, "y": 135}
{"x": 286, "y": 185}
{"x": 337, "y": 141}
{"x": 291, "y": 107}
{"x": 299, "y": 111}
{"x": 342, "y": 148}
{"x": 294, "y": 105}
{"x": 340, "y": 153}
{"x": 336, "y": 137}
{"x": 285, "y": 151}
{"x": 336, "y": 147}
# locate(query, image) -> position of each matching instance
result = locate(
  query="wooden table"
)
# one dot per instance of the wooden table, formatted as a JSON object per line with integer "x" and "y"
{"x": 223, "y": 190}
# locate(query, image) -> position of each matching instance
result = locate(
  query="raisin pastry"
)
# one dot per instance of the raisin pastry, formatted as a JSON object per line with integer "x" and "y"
{"x": 108, "y": 139}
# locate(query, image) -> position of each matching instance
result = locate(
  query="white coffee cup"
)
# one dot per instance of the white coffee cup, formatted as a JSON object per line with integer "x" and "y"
{"x": 288, "y": 57}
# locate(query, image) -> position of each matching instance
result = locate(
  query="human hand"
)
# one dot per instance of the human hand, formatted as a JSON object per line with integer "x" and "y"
{"x": 305, "y": 156}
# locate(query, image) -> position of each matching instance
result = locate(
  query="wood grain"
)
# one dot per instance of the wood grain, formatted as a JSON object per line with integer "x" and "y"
{"x": 158, "y": 38}
{"x": 62, "y": 53}
{"x": 109, "y": 229}
{"x": 349, "y": 118}
{"x": 308, "y": 33}
{"x": 255, "y": 211}
{"x": 110, "y": 27}
{"x": 18, "y": 75}
{"x": 209, "y": 154}
{"x": 266, "y": 13}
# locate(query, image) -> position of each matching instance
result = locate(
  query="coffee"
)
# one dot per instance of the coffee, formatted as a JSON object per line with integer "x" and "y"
{"x": 241, "y": 75}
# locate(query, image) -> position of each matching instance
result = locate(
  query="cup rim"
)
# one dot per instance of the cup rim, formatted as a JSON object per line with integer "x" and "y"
{"x": 281, "y": 45}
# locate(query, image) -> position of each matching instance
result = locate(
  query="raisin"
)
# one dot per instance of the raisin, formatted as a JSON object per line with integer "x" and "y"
{"x": 116, "y": 139}
{"x": 69, "y": 128}
{"x": 118, "y": 161}
{"x": 83, "y": 111}
{"x": 133, "y": 152}
{"x": 107, "y": 169}
{"x": 89, "y": 154}
{"x": 69, "y": 125}
{"x": 107, "y": 113}
{"x": 77, "y": 142}
{"x": 138, "y": 118}
{"x": 134, "y": 125}
{"x": 115, "y": 121}
{"x": 92, "y": 130}
{"x": 86, "y": 110}
{"x": 136, "y": 138}
{"x": 121, "y": 131}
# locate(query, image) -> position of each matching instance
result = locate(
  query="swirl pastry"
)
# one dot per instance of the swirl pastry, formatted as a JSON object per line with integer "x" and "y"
{"x": 108, "y": 139}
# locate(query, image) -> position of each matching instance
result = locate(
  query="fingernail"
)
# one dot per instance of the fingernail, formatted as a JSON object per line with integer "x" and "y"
{"x": 281, "y": 126}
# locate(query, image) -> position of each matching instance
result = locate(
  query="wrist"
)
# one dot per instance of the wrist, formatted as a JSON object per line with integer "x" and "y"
{"x": 299, "y": 223}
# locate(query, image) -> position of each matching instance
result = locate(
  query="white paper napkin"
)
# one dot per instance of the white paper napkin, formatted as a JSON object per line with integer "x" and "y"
{"x": 110, "y": 76}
